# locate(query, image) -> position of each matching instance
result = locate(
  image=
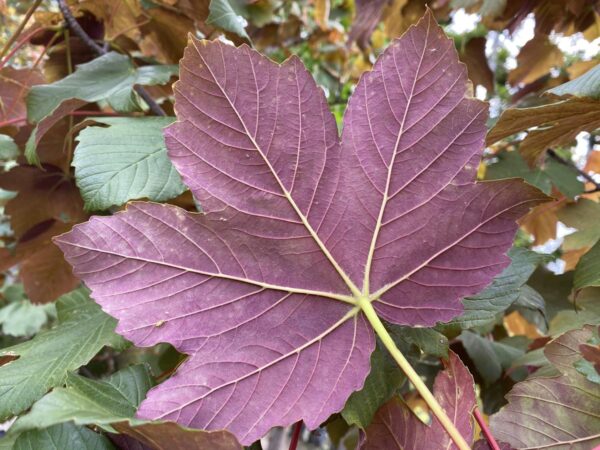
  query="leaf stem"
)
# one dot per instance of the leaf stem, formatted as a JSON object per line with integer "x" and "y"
{"x": 485, "y": 430}
{"x": 20, "y": 28}
{"x": 367, "y": 308}
{"x": 295, "y": 435}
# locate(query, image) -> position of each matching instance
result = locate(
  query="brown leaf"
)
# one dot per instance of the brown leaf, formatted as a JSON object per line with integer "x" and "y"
{"x": 517, "y": 325}
{"x": 120, "y": 18}
{"x": 170, "y": 436}
{"x": 541, "y": 222}
{"x": 46, "y": 275}
{"x": 535, "y": 60}
{"x": 580, "y": 67}
{"x": 14, "y": 85}
{"x": 321, "y": 13}
{"x": 44, "y": 272}
{"x": 473, "y": 55}
{"x": 561, "y": 122}
{"x": 47, "y": 204}
{"x": 165, "y": 34}
{"x": 571, "y": 257}
{"x": 42, "y": 195}
{"x": 400, "y": 15}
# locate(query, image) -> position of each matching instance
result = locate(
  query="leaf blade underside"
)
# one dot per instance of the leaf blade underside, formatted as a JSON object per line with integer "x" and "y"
{"x": 261, "y": 290}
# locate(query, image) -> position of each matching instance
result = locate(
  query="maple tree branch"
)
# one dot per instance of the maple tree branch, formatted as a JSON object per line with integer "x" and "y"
{"x": 485, "y": 430}
{"x": 552, "y": 154}
{"x": 369, "y": 311}
{"x": 79, "y": 31}
{"x": 20, "y": 28}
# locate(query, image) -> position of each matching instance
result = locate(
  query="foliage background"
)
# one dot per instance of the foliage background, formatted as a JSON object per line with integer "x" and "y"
{"x": 515, "y": 52}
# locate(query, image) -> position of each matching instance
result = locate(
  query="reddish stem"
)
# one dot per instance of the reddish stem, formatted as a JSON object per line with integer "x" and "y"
{"x": 24, "y": 40}
{"x": 11, "y": 121}
{"x": 485, "y": 430}
{"x": 296, "y": 435}
{"x": 83, "y": 112}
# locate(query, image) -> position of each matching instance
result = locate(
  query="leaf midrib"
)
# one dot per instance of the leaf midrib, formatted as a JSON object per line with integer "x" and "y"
{"x": 366, "y": 287}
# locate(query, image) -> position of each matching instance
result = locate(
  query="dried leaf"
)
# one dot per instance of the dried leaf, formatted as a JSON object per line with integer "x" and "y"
{"x": 322, "y": 8}
{"x": 555, "y": 124}
{"x": 263, "y": 291}
{"x": 535, "y": 60}
{"x": 14, "y": 86}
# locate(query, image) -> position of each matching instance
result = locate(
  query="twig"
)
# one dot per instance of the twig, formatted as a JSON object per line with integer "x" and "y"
{"x": 22, "y": 25}
{"x": 485, "y": 430}
{"x": 296, "y": 435}
{"x": 552, "y": 154}
{"x": 76, "y": 28}
{"x": 19, "y": 45}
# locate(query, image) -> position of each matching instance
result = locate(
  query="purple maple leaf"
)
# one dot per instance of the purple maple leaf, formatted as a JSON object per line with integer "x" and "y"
{"x": 264, "y": 290}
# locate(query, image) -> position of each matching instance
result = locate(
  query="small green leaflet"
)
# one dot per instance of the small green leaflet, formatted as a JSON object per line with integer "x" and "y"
{"x": 490, "y": 358}
{"x": 8, "y": 148}
{"x": 503, "y": 292}
{"x": 44, "y": 362}
{"x": 381, "y": 384}
{"x": 227, "y": 16}
{"x": 109, "y": 78}
{"x": 126, "y": 160}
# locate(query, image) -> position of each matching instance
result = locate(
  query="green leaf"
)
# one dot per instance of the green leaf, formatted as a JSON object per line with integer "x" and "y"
{"x": 381, "y": 384}
{"x": 587, "y": 272}
{"x": 502, "y": 293}
{"x": 531, "y": 299}
{"x": 227, "y": 15}
{"x": 22, "y": 318}
{"x": 586, "y": 85}
{"x": 8, "y": 148}
{"x": 587, "y": 369}
{"x": 490, "y": 358}
{"x": 125, "y": 161}
{"x": 61, "y": 437}
{"x": 428, "y": 340}
{"x": 110, "y": 78}
{"x": 85, "y": 402}
{"x": 564, "y": 178}
{"x": 584, "y": 216}
{"x": 44, "y": 362}
{"x": 586, "y": 311}
{"x": 511, "y": 164}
